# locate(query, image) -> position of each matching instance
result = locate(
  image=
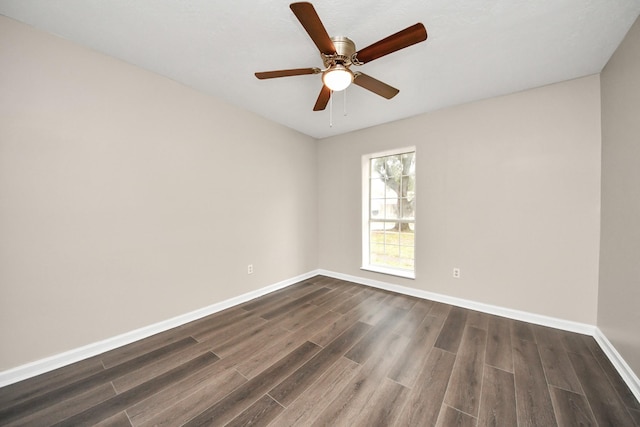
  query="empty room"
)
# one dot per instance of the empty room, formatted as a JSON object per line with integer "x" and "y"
{"x": 366, "y": 213}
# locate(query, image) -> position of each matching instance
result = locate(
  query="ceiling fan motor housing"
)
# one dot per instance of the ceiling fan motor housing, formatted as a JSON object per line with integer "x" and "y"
{"x": 345, "y": 49}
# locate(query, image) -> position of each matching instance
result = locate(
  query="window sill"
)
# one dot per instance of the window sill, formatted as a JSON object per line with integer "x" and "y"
{"x": 391, "y": 272}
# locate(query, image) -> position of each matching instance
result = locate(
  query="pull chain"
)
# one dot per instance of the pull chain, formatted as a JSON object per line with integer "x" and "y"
{"x": 345, "y": 103}
{"x": 344, "y": 97}
{"x": 331, "y": 110}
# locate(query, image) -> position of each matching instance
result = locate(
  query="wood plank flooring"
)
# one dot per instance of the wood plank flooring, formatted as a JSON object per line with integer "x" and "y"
{"x": 325, "y": 352}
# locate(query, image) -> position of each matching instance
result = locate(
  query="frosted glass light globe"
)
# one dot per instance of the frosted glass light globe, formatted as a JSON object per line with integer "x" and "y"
{"x": 337, "y": 78}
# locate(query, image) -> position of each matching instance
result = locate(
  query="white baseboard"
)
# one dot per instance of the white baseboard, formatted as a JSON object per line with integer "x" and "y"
{"x": 582, "y": 328}
{"x": 538, "y": 319}
{"x": 619, "y": 363}
{"x": 41, "y": 366}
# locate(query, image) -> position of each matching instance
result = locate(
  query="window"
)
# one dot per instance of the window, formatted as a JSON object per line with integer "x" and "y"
{"x": 388, "y": 237}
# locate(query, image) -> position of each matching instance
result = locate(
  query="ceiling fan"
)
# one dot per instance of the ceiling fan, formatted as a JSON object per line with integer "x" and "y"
{"x": 339, "y": 54}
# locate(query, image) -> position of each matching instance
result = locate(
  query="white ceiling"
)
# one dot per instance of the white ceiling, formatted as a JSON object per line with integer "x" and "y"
{"x": 476, "y": 48}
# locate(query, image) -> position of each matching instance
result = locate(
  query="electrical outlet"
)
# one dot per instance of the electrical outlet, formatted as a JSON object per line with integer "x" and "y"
{"x": 456, "y": 272}
{"x": 250, "y": 269}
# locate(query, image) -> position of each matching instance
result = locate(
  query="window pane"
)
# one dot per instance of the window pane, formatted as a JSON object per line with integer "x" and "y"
{"x": 390, "y": 187}
{"x": 377, "y": 226}
{"x": 392, "y": 252}
{"x": 406, "y": 208}
{"x": 377, "y": 249}
{"x": 391, "y": 238}
{"x": 408, "y": 160}
{"x": 409, "y": 183}
{"x": 391, "y": 209}
{"x": 407, "y": 252}
{"x": 377, "y": 189}
{"x": 377, "y": 208}
{"x": 376, "y": 237}
{"x": 407, "y": 238}
{"x": 378, "y": 259}
{"x": 408, "y": 264}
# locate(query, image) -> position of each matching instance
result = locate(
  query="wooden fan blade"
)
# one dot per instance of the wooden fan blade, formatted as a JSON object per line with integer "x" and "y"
{"x": 286, "y": 73}
{"x": 323, "y": 99}
{"x": 375, "y": 86}
{"x": 311, "y": 22}
{"x": 405, "y": 38}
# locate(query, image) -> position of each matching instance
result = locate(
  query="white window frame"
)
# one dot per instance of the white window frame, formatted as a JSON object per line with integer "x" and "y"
{"x": 366, "y": 198}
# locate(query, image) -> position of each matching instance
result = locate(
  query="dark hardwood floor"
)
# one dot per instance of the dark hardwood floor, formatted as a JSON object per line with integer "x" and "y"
{"x": 326, "y": 352}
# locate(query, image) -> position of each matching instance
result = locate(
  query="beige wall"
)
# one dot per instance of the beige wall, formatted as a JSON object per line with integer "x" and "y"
{"x": 619, "y": 291}
{"x": 127, "y": 199}
{"x": 508, "y": 190}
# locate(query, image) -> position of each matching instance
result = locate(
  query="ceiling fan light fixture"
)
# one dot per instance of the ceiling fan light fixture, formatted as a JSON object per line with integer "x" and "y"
{"x": 337, "y": 78}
